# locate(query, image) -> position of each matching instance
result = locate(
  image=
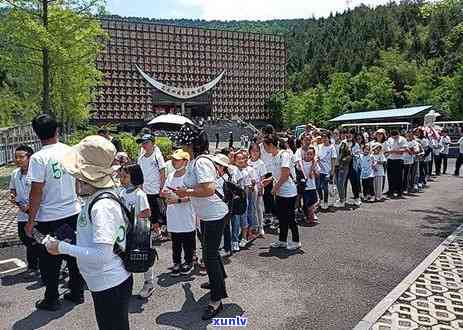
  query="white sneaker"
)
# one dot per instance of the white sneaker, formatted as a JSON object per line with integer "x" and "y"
{"x": 293, "y": 245}
{"x": 278, "y": 244}
{"x": 146, "y": 291}
{"x": 339, "y": 204}
{"x": 262, "y": 232}
{"x": 243, "y": 243}
{"x": 235, "y": 247}
{"x": 357, "y": 202}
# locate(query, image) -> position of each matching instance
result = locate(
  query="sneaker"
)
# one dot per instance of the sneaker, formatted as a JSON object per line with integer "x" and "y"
{"x": 226, "y": 254}
{"x": 186, "y": 269}
{"x": 261, "y": 233}
{"x": 243, "y": 243}
{"x": 293, "y": 245}
{"x": 324, "y": 206}
{"x": 76, "y": 299}
{"x": 278, "y": 244}
{"x": 340, "y": 204}
{"x": 235, "y": 247}
{"x": 175, "y": 271}
{"x": 46, "y": 305}
{"x": 146, "y": 291}
{"x": 357, "y": 202}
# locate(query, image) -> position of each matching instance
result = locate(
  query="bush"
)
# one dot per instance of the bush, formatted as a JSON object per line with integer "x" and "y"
{"x": 128, "y": 141}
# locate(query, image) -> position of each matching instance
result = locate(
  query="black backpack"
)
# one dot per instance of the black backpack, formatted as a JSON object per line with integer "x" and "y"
{"x": 139, "y": 254}
{"x": 233, "y": 195}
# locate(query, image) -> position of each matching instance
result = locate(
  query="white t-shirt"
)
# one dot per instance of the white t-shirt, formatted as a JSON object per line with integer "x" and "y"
{"x": 284, "y": 160}
{"x": 396, "y": 144}
{"x": 445, "y": 141}
{"x": 378, "y": 164}
{"x": 21, "y": 184}
{"x": 460, "y": 145}
{"x": 325, "y": 155}
{"x": 59, "y": 199}
{"x": 266, "y": 158}
{"x": 408, "y": 157}
{"x": 106, "y": 226}
{"x": 259, "y": 168}
{"x": 135, "y": 198}
{"x": 307, "y": 168}
{"x": 181, "y": 217}
{"x": 202, "y": 170}
{"x": 151, "y": 167}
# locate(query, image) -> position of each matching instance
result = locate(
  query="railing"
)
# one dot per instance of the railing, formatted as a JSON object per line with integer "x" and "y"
{"x": 12, "y": 137}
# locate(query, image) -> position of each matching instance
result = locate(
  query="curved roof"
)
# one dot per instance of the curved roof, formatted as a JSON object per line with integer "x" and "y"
{"x": 180, "y": 92}
{"x": 381, "y": 114}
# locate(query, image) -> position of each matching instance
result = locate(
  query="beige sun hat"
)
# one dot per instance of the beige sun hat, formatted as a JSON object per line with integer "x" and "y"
{"x": 221, "y": 160}
{"x": 90, "y": 161}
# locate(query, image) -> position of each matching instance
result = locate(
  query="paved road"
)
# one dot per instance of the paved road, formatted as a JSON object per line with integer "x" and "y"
{"x": 348, "y": 264}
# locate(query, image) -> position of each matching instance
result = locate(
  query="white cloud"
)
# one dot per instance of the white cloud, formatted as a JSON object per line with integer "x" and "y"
{"x": 270, "y": 9}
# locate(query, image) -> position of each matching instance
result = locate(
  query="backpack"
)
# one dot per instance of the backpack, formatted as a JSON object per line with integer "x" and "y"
{"x": 234, "y": 196}
{"x": 139, "y": 254}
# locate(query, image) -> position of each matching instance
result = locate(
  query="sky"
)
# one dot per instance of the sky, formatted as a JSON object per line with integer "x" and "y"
{"x": 233, "y": 9}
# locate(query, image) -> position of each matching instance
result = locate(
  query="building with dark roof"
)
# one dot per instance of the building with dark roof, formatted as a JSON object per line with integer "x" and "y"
{"x": 184, "y": 60}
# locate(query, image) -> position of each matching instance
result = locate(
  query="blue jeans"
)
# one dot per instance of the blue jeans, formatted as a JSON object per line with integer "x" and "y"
{"x": 237, "y": 222}
{"x": 251, "y": 211}
{"x": 323, "y": 187}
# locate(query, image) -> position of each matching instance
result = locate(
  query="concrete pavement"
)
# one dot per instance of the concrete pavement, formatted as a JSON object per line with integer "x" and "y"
{"x": 348, "y": 263}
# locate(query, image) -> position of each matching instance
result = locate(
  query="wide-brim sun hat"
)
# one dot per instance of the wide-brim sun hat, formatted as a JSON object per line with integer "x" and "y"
{"x": 221, "y": 160}
{"x": 90, "y": 161}
{"x": 381, "y": 131}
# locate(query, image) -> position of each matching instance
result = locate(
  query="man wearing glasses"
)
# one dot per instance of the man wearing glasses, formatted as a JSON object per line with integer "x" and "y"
{"x": 153, "y": 167}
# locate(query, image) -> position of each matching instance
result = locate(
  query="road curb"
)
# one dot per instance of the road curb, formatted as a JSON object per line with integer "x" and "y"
{"x": 370, "y": 319}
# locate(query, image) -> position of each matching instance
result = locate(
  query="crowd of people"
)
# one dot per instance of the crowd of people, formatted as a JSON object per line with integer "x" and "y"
{"x": 185, "y": 200}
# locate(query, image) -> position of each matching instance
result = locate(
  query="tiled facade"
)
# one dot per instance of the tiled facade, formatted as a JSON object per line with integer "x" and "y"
{"x": 255, "y": 66}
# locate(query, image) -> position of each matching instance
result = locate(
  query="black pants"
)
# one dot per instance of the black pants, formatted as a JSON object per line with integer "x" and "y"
{"x": 50, "y": 265}
{"x": 287, "y": 218}
{"x": 155, "y": 206}
{"x": 458, "y": 164}
{"x": 185, "y": 241}
{"x": 438, "y": 163}
{"x": 227, "y": 234}
{"x": 354, "y": 178}
{"x": 423, "y": 171}
{"x": 269, "y": 199}
{"x": 32, "y": 248}
{"x": 444, "y": 163}
{"x": 112, "y": 306}
{"x": 395, "y": 176}
{"x": 407, "y": 176}
{"x": 368, "y": 189}
{"x": 429, "y": 164}
{"x": 211, "y": 237}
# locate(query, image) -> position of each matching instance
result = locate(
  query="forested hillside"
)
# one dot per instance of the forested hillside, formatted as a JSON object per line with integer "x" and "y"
{"x": 366, "y": 58}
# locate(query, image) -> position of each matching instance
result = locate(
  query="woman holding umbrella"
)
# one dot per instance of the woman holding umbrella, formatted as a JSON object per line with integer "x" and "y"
{"x": 200, "y": 181}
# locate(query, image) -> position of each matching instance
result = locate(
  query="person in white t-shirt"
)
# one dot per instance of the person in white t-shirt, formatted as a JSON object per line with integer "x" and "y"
{"x": 153, "y": 167}
{"x": 379, "y": 160}
{"x": 54, "y": 206}
{"x": 20, "y": 188}
{"x": 181, "y": 218}
{"x": 200, "y": 185}
{"x": 285, "y": 192}
{"x": 131, "y": 178}
{"x": 311, "y": 171}
{"x": 445, "y": 142}
{"x": 98, "y": 230}
{"x": 396, "y": 147}
{"x": 327, "y": 161}
{"x": 260, "y": 170}
{"x": 269, "y": 200}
